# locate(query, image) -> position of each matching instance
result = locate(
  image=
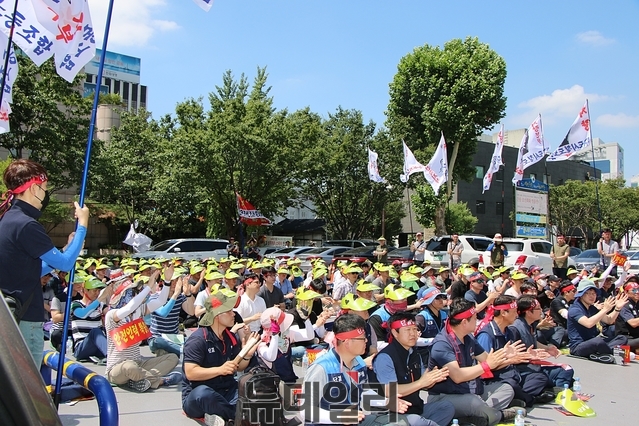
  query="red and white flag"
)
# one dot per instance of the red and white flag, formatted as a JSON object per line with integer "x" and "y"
{"x": 577, "y": 139}
{"x": 532, "y": 149}
{"x": 496, "y": 161}
{"x": 411, "y": 165}
{"x": 5, "y": 111}
{"x": 436, "y": 171}
{"x": 249, "y": 214}
{"x": 73, "y": 39}
{"x": 204, "y": 4}
{"x": 373, "y": 170}
{"x": 30, "y": 35}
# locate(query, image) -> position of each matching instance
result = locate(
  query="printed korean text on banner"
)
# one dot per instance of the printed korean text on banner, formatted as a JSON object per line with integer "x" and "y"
{"x": 73, "y": 39}
{"x": 204, "y": 4}
{"x": 249, "y": 214}
{"x": 495, "y": 162}
{"x": 436, "y": 171}
{"x": 577, "y": 139}
{"x": 12, "y": 69}
{"x": 411, "y": 165}
{"x": 373, "y": 171}
{"x": 29, "y": 34}
{"x": 532, "y": 149}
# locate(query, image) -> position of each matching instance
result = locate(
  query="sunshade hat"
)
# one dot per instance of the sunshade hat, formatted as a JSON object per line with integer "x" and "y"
{"x": 218, "y": 303}
{"x": 363, "y": 285}
{"x": 306, "y": 294}
{"x": 355, "y": 303}
{"x": 430, "y": 295}
{"x": 584, "y": 286}
{"x": 392, "y": 293}
{"x": 284, "y": 319}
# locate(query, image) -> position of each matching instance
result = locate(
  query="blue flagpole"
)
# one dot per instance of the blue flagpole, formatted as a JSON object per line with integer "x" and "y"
{"x": 83, "y": 187}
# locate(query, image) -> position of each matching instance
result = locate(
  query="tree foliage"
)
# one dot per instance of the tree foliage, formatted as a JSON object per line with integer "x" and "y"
{"x": 49, "y": 122}
{"x": 459, "y": 218}
{"x": 333, "y": 173}
{"x": 573, "y": 206}
{"x": 457, "y": 90}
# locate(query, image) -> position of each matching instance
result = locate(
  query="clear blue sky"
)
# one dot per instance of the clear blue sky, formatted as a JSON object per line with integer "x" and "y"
{"x": 330, "y": 53}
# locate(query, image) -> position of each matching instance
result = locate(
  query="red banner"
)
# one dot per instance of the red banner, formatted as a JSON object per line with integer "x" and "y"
{"x": 619, "y": 259}
{"x": 129, "y": 334}
{"x": 249, "y": 214}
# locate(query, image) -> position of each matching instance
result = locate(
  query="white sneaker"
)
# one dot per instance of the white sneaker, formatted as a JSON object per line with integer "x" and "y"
{"x": 213, "y": 420}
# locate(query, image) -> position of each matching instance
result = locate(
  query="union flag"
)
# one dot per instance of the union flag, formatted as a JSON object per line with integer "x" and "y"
{"x": 249, "y": 214}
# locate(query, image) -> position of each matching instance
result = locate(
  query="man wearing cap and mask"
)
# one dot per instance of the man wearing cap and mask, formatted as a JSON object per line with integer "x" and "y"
{"x": 583, "y": 317}
{"x": 477, "y": 294}
{"x": 627, "y": 323}
{"x": 455, "y": 348}
{"x": 498, "y": 251}
{"x": 382, "y": 250}
{"x": 459, "y": 288}
{"x": 396, "y": 300}
{"x": 209, "y": 387}
{"x": 418, "y": 247}
{"x": 432, "y": 318}
{"x": 400, "y": 363}
{"x": 343, "y": 367}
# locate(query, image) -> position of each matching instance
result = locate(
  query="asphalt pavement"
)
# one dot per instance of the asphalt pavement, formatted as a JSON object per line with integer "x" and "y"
{"x": 611, "y": 386}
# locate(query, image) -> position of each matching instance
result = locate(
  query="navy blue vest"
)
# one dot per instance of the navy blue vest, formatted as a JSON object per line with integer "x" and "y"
{"x": 408, "y": 368}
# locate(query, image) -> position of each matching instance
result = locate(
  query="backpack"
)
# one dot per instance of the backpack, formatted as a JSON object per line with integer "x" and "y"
{"x": 259, "y": 399}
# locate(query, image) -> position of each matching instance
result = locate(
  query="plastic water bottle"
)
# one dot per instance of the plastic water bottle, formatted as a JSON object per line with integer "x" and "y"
{"x": 576, "y": 386}
{"x": 519, "y": 418}
{"x": 70, "y": 346}
{"x": 305, "y": 363}
{"x": 455, "y": 421}
{"x": 565, "y": 392}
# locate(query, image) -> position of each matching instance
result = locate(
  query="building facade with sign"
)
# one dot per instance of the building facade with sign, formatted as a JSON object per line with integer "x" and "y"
{"x": 121, "y": 76}
{"x": 496, "y": 213}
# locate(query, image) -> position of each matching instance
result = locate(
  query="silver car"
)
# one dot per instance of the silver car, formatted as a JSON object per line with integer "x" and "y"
{"x": 187, "y": 248}
{"x": 324, "y": 253}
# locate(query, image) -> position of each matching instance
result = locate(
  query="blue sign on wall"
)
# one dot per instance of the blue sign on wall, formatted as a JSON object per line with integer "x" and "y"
{"x": 531, "y": 232}
{"x": 533, "y": 185}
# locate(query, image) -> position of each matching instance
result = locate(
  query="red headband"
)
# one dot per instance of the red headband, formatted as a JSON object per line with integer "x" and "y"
{"x": 532, "y": 307}
{"x": 630, "y": 286}
{"x": 568, "y": 288}
{"x": 8, "y": 196}
{"x": 512, "y": 305}
{"x": 395, "y": 325}
{"x": 465, "y": 314}
{"x": 350, "y": 334}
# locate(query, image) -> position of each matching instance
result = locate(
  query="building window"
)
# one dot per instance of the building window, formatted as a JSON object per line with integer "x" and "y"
{"x": 499, "y": 210}
{"x": 533, "y": 176}
{"x": 116, "y": 86}
{"x": 547, "y": 179}
{"x": 107, "y": 83}
{"x": 142, "y": 95}
{"x": 499, "y": 176}
{"x": 125, "y": 91}
{"x": 89, "y": 78}
{"x": 480, "y": 206}
{"x": 479, "y": 172}
{"x": 134, "y": 93}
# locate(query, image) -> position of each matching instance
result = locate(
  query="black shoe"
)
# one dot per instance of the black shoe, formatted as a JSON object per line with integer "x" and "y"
{"x": 517, "y": 403}
{"x": 545, "y": 398}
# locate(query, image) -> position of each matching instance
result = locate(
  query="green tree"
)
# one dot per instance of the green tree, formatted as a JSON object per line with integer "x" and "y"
{"x": 459, "y": 219}
{"x": 457, "y": 90}
{"x": 242, "y": 144}
{"x": 333, "y": 173}
{"x": 49, "y": 122}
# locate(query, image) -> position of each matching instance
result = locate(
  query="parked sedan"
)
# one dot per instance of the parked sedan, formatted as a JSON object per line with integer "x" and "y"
{"x": 325, "y": 253}
{"x": 588, "y": 259}
{"x": 360, "y": 254}
{"x": 288, "y": 252}
{"x": 402, "y": 254}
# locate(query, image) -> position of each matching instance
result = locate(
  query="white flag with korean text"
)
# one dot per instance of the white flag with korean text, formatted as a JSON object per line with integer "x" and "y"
{"x": 495, "y": 161}
{"x": 373, "y": 171}
{"x": 531, "y": 150}
{"x": 436, "y": 171}
{"x": 73, "y": 39}
{"x": 577, "y": 139}
{"x": 204, "y": 4}
{"x": 12, "y": 69}
{"x": 411, "y": 165}
{"x": 29, "y": 34}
